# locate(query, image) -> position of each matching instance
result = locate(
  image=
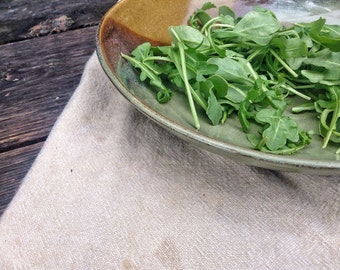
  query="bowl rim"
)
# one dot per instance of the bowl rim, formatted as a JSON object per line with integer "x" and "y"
{"x": 251, "y": 156}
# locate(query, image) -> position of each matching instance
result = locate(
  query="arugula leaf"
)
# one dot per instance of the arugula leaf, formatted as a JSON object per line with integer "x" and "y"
{"x": 226, "y": 11}
{"x": 280, "y": 129}
{"x": 232, "y": 70}
{"x": 214, "y": 110}
{"x": 201, "y": 17}
{"x": 220, "y": 86}
{"x": 258, "y": 27}
{"x": 249, "y": 67}
{"x": 189, "y": 36}
{"x": 329, "y": 124}
{"x": 327, "y": 35}
{"x": 334, "y": 30}
{"x": 164, "y": 94}
{"x": 291, "y": 47}
{"x": 329, "y": 63}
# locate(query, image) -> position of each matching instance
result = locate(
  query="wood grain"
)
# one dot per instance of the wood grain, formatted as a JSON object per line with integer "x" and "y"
{"x": 38, "y": 78}
{"x": 13, "y": 167}
{"x": 38, "y": 74}
{"x": 18, "y": 16}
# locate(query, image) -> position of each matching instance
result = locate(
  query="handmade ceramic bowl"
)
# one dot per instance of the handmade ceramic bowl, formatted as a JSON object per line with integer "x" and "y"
{"x": 131, "y": 22}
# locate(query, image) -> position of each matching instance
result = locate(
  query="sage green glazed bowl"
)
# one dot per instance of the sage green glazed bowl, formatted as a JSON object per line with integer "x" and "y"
{"x": 131, "y": 22}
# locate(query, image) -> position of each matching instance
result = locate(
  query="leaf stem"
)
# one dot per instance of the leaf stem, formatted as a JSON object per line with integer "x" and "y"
{"x": 294, "y": 91}
{"x": 252, "y": 71}
{"x": 211, "y": 22}
{"x": 335, "y": 117}
{"x": 140, "y": 65}
{"x": 157, "y": 58}
{"x": 284, "y": 64}
{"x": 187, "y": 87}
{"x": 254, "y": 54}
{"x": 237, "y": 89}
{"x": 303, "y": 108}
{"x": 185, "y": 79}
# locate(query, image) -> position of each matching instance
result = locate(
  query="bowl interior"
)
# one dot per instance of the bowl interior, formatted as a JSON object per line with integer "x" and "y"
{"x": 131, "y": 22}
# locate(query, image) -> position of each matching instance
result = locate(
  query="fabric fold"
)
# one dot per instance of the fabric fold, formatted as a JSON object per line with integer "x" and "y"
{"x": 113, "y": 190}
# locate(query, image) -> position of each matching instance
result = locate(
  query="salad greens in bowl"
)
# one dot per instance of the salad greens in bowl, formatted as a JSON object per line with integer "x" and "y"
{"x": 255, "y": 82}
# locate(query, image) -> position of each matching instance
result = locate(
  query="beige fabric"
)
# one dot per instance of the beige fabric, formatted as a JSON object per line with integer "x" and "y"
{"x": 112, "y": 190}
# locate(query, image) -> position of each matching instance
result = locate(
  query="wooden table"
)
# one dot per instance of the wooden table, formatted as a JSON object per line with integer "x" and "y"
{"x": 44, "y": 46}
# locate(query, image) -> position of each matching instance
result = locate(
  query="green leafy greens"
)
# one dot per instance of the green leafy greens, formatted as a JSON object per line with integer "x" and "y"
{"x": 249, "y": 66}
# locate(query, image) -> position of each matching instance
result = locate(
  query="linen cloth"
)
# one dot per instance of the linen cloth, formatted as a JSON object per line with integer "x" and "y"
{"x": 113, "y": 190}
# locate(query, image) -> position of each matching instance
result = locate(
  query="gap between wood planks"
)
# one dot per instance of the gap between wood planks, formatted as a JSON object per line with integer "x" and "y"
{"x": 45, "y": 71}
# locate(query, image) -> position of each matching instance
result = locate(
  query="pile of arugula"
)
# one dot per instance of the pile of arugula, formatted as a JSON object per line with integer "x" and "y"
{"x": 250, "y": 66}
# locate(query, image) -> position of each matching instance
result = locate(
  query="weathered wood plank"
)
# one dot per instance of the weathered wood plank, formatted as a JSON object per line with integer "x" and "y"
{"x": 17, "y": 17}
{"x": 13, "y": 167}
{"x": 38, "y": 77}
